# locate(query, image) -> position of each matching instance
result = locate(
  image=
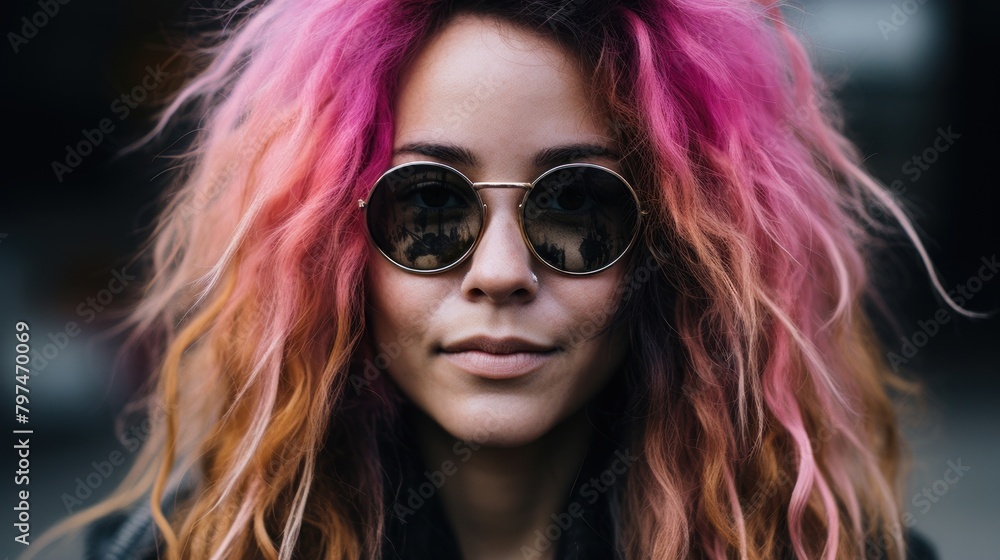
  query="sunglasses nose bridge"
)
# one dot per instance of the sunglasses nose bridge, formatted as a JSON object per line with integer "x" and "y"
{"x": 501, "y": 264}
{"x": 499, "y": 185}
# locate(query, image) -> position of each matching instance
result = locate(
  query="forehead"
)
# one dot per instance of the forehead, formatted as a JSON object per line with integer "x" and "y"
{"x": 499, "y": 90}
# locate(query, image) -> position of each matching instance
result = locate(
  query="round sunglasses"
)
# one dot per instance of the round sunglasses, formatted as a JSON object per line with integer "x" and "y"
{"x": 427, "y": 217}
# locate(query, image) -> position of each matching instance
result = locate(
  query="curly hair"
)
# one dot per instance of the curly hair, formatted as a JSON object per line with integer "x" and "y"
{"x": 757, "y": 392}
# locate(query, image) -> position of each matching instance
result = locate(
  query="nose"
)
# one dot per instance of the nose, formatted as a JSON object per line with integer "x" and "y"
{"x": 502, "y": 268}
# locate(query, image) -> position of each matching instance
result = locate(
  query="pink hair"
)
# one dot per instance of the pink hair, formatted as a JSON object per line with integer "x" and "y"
{"x": 750, "y": 337}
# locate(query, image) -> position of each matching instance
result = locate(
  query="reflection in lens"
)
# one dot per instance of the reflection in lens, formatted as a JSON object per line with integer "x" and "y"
{"x": 580, "y": 218}
{"x": 424, "y": 217}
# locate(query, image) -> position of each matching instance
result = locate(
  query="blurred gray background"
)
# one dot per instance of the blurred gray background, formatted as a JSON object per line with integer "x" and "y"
{"x": 915, "y": 79}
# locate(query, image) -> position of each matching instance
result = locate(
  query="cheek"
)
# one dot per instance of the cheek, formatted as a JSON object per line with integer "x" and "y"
{"x": 400, "y": 305}
{"x": 389, "y": 312}
{"x": 587, "y": 307}
{"x": 591, "y": 302}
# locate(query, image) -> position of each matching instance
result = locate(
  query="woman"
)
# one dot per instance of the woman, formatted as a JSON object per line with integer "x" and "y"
{"x": 517, "y": 279}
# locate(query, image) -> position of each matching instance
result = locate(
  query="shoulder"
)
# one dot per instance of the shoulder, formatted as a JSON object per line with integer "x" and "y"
{"x": 127, "y": 535}
{"x": 918, "y": 547}
{"x": 130, "y": 534}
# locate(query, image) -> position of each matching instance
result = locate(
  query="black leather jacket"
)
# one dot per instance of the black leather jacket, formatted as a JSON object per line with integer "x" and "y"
{"x": 427, "y": 534}
{"x": 129, "y": 536}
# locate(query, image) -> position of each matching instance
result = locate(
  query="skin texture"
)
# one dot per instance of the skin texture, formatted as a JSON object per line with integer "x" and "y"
{"x": 503, "y": 93}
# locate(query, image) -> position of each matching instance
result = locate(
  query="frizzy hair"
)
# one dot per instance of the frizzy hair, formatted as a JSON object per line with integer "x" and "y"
{"x": 759, "y": 397}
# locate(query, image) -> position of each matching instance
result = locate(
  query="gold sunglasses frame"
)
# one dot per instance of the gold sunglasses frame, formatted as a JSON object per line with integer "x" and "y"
{"x": 476, "y": 186}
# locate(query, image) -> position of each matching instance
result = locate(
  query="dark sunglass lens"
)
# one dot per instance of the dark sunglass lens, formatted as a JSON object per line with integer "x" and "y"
{"x": 423, "y": 217}
{"x": 580, "y": 218}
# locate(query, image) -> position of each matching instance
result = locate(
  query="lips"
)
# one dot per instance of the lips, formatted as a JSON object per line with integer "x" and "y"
{"x": 498, "y": 358}
{"x": 508, "y": 345}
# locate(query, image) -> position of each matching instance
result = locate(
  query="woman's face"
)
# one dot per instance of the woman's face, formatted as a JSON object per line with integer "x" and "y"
{"x": 486, "y": 350}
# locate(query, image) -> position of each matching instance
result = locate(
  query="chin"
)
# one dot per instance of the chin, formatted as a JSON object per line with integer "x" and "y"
{"x": 498, "y": 424}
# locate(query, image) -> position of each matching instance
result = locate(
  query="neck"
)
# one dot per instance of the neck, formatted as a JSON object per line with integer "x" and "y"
{"x": 497, "y": 498}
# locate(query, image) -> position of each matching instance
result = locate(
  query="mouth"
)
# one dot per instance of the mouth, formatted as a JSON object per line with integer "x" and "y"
{"x": 498, "y": 358}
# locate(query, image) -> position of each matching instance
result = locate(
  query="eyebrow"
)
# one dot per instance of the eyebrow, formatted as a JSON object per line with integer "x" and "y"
{"x": 548, "y": 157}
